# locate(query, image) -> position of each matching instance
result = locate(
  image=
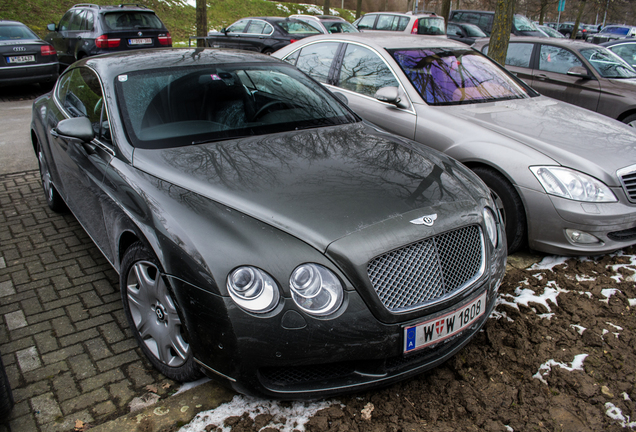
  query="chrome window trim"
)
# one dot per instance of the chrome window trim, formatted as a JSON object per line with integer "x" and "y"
{"x": 32, "y": 66}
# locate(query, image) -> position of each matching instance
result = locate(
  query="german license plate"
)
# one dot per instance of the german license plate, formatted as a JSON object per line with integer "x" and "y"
{"x": 21, "y": 59}
{"x": 144, "y": 41}
{"x": 437, "y": 329}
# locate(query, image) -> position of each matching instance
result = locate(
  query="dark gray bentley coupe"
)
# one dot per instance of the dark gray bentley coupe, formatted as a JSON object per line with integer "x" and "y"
{"x": 263, "y": 233}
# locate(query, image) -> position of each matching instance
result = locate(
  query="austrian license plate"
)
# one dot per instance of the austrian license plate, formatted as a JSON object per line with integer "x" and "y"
{"x": 144, "y": 41}
{"x": 437, "y": 329}
{"x": 21, "y": 59}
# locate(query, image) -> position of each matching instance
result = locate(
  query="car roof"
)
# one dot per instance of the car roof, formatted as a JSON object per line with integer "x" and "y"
{"x": 391, "y": 40}
{"x": 110, "y": 8}
{"x": 10, "y": 22}
{"x": 618, "y": 42}
{"x": 112, "y": 65}
{"x": 574, "y": 44}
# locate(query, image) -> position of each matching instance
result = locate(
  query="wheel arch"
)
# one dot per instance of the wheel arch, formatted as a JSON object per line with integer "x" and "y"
{"x": 626, "y": 114}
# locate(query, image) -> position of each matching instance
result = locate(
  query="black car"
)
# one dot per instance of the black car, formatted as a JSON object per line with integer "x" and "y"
{"x": 88, "y": 29}
{"x": 261, "y": 34}
{"x": 464, "y": 32}
{"x": 24, "y": 57}
{"x": 263, "y": 233}
{"x": 567, "y": 28}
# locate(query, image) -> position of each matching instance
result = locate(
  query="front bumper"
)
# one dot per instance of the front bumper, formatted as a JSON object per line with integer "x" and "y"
{"x": 27, "y": 74}
{"x": 614, "y": 224}
{"x": 290, "y": 355}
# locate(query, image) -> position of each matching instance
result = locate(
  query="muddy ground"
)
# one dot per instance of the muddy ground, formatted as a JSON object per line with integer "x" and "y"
{"x": 491, "y": 385}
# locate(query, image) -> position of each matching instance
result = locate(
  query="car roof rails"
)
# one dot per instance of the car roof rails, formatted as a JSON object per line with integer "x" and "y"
{"x": 122, "y": 5}
{"x": 86, "y": 5}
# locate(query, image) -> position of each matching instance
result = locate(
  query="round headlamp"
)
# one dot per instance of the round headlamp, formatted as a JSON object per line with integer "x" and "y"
{"x": 253, "y": 289}
{"x": 315, "y": 289}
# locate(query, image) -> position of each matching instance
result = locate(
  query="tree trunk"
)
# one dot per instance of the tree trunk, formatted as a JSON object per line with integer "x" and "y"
{"x": 575, "y": 30}
{"x": 500, "y": 36}
{"x": 202, "y": 21}
{"x": 542, "y": 11}
{"x": 446, "y": 8}
{"x": 358, "y": 8}
{"x": 325, "y": 10}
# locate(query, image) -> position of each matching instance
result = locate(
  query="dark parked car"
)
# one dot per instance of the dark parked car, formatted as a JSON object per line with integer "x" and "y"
{"x": 624, "y": 48}
{"x": 551, "y": 32}
{"x": 262, "y": 232}
{"x": 88, "y": 29}
{"x": 464, "y": 32}
{"x": 567, "y": 28}
{"x": 614, "y": 32}
{"x": 484, "y": 19}
{"x": 261, "y": 34}
{"x": 576, "y": 72}
{"x": 24, "y": 57}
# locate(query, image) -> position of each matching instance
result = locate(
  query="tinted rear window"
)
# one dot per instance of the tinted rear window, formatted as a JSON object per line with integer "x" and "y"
{"x": 16, "y": 32}
{"x": 296, "y": 27}
{"x": 131, "y": 20}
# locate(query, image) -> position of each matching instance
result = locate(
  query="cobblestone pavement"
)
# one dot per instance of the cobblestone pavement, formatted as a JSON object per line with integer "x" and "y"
{"x": 64, "y": 338}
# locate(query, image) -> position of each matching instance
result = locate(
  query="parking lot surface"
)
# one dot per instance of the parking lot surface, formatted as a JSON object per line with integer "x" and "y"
{"x": 64, "y": 338}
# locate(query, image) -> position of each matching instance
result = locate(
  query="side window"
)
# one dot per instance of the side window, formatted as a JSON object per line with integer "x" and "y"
{"x": 627, "y": 52}
{"x": 257, "y": 27}
{"x": 404, "y": 21}
{"x": 62, "y": 87}
{"x": 519, "y": 54}
{"x": 83, "y": 98}
{"x": 366, "y": 22}
{"x": 238, "y": 27}
{"x": 76, "y": 21}
{"x": 485, "y": 22}
{"x": 471, "y": 18}
{"x": 87, "y": 24}
{"x": 555, "y": 59}
{"x": 65, "y": 21}
{"x": 385, "y": 22}
{"x": 363, "y": 71}
{"x": 291, "y": 59}
{"x": 316, "y": 59}
{"x": 453, "y": 30}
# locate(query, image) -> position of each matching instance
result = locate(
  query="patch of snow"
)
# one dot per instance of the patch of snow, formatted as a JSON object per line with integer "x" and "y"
{"x": 495, "y": 314}
{"x": 587, "y": 293}
{"x": 283, "y": 8}
{"x": 547, "y": 316}
{"x": 548, "y": 262}
{"x": 191, "y": 385}
{"x": 615, "y": 413}
{"x": 286, "y": 418}
{"x": 614, "y": 325}
{"x": 312, "y": 9}
{"x": 526, "y": 296}
{"x": 578, "y": 328}
{"x": 605, "y": 331}
{"x": 632, "y": 302}
{"x": 509, "y": 429}
{"x": 626, "y": 396}
{"x": 577, "y": 364}
{"x": 608, "y": 292}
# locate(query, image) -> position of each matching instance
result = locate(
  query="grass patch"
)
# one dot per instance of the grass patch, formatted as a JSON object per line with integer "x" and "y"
{"x": 177, "y": 15}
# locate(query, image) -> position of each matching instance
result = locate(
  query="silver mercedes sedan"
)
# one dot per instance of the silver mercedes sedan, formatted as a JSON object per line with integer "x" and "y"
{"x": 564, "y": 177}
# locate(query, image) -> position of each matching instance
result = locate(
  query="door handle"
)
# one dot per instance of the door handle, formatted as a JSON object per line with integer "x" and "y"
{"x": 541, "y": 77}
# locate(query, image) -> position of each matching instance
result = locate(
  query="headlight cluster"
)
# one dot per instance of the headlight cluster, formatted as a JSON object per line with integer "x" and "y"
{"x": 314, "y": 288}
{"x": 574, "y": 185}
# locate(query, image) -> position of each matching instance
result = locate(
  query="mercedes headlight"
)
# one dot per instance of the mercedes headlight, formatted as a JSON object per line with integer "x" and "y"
{"x": 253, "y": 289}
{"x": 574, "y": 185}
{"x": 315, "y": 289}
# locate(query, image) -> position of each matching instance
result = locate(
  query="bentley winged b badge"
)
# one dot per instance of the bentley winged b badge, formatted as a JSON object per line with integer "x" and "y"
{"x": 427, "y": 220}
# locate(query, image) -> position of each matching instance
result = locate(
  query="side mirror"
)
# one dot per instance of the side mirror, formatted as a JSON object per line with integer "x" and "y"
{"x": 224, "y": 31}
{"x": 390, "y": 95}
{"x": 51, "y": 27}
{"x": 578, "y": 71}
{"x": 77, "y": 127}
{"x": 342, "y": 97}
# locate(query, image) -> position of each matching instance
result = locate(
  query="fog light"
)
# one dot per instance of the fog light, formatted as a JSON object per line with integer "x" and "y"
{"x": 581, "y": 237}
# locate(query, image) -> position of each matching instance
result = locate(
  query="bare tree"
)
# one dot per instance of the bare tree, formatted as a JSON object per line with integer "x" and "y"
{"x": 575, "y": 30}
{"x": 325, "y": 9}
{"x": 446, "y": 7}
{"x": 202, "y": 21}
{"x": 500, "y": 36}
{"x": 358, "y": 8}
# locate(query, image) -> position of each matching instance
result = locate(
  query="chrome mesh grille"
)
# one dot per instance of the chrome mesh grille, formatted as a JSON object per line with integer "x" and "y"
{"x": 629, "y": 185}
{"x": 428, "y": 270}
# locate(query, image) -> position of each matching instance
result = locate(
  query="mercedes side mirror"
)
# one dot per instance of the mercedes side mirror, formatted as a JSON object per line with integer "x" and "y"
{"x": 578, "y": 71}
{"x": 391, "y": 95}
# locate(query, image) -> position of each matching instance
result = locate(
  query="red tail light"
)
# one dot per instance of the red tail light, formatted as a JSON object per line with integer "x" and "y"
{"x": 293, "y": 40}
{"x": 165, "y": 39}
{"x": 414, "y": 29}
{"x": 104, "y": 42}
{"x": 47, "y": 50}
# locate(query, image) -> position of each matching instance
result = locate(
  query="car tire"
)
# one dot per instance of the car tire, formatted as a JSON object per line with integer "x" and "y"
{"x": 53, "y": 198}
{"x": 268, "y": 51}
{"x": 509, "y": 205}
{"x": 6, "y": 396}
{"x": 567, "y": 35}
{"x": 153, "y": 316}
{"x": 630, "y": 120}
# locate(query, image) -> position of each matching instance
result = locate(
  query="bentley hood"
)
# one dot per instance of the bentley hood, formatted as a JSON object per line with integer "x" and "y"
{"x": 321, "y": 184}
{"x": 574, "y": 137}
